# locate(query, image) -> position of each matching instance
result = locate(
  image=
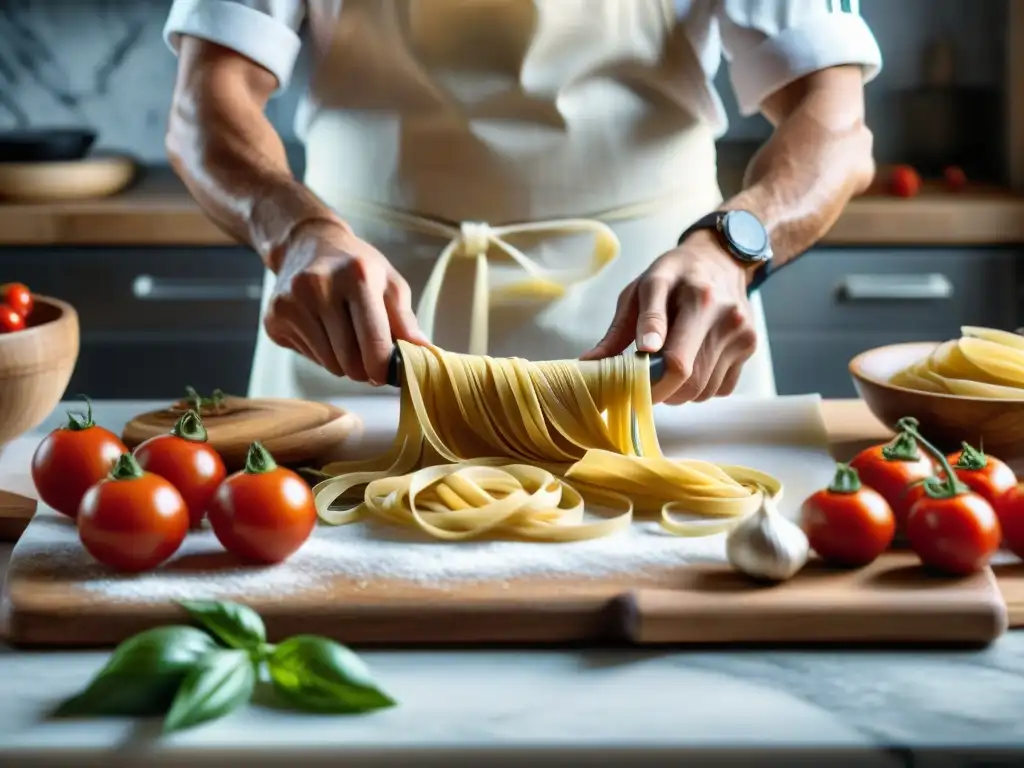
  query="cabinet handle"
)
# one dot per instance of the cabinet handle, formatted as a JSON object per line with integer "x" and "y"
{"x": 149, "y": 288}
{"x": 896, "y": 287}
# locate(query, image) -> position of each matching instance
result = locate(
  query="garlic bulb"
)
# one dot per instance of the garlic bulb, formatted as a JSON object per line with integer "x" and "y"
{"x": 766, "y": 545}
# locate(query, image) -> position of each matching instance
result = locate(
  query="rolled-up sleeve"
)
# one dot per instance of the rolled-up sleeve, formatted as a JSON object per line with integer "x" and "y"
{"x": 771, "y": 43}
{"x": 266, "y": 31}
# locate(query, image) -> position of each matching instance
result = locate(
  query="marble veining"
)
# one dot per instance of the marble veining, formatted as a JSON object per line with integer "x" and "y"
{"x": 102, "y": 63}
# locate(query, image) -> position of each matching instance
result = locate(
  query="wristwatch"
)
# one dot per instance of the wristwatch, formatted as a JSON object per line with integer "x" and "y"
{"x": 744, "y": 238}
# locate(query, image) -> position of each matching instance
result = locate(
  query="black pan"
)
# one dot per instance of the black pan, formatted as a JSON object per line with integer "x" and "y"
{"x": 45, "y": 145}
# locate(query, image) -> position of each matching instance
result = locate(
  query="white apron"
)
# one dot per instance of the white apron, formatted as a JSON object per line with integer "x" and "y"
{"x": 508, "y": 146}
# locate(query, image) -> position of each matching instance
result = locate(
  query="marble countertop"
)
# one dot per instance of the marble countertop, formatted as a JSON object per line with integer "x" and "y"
{"x": 605, "y": 707}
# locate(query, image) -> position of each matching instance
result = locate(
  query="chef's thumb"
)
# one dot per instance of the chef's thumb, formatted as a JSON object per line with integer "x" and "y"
{"x": 652, "y": 314}
{"x": 620, "y": 332}
{"x": 402, "y": 319}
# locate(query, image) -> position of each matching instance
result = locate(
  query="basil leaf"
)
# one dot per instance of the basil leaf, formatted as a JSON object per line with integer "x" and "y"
{"x": 142, "y": 675}
{"x": 222, "y": 682}
{"x": 318, "y": 675}
{"x": 235, "y": 625}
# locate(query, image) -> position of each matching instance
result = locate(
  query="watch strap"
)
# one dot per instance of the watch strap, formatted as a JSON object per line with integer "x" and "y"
{"x": 712, "y": 221}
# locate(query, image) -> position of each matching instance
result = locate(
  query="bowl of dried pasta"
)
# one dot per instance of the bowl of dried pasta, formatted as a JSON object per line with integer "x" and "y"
{"x": 971, "y": 388}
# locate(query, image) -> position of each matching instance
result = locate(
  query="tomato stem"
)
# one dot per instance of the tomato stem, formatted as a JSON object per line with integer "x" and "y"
{"x": 126, "y": 468}
{"x": 904, "y": 446}
{"x": 846, "y": 480}
{"x": 945, "y": 488}
{"x": 77, "y": 422}
{"x": 259, "y": 460}
{"x": 971, "y": 458}
{"x": 190, "y": 427}
{"x": 198, "y": 402}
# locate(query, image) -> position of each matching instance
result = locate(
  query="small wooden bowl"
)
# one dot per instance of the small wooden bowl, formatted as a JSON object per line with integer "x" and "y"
{"x": 86, "y": 179}
{"x": 296, "y": 432}
{"x": 946, "y": 420}
{"x": 36, "y": 366}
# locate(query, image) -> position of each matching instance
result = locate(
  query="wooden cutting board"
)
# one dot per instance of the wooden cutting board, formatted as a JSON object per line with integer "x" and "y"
{"x": 296, "y": 432}
{"x": 15, "y": 512}
{"x": 893, "y": 602}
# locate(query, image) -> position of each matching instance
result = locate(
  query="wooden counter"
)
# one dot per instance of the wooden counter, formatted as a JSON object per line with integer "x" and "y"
{"x": 159, "y": 212}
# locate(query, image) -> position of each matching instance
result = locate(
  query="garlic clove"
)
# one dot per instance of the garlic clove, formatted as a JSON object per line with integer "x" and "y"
{"x": 766, "y": 545}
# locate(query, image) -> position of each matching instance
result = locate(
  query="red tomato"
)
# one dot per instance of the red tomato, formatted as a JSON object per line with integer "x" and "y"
{"x": 890, "y": 469}
{"x": 263, "y": 513}
{"x": 956, "y": 535}
{"x": 904, "y": 181}
{"x": 986, "y": 475}
{"x": 848, "y": 523}
{"x": 1010, "y": 511}
{"x": 18, "y": 297}
{"x": 10, "y": 319}
{"x": 132, "y": 520}
{"x": 955, "y": 178}
{"x": 73, "y": 458}
{"x": 185, "y": 459}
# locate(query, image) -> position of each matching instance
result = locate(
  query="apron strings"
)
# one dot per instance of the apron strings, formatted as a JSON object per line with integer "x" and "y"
{"x": 475, "y": 239}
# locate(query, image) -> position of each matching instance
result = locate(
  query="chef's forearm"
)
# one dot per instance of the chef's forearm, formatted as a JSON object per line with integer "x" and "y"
{"x": 819, "y": 156}
{"x": 228, "y": 154}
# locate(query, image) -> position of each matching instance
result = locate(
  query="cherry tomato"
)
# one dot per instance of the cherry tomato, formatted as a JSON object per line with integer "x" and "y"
{"x": 892, "y": 468}
{"x": 1010, "y": 511}
{"x": 904, "y": 181}
{"x": 986, "y": 475}
{"x": 185, "y": 459}
{"x": 18, "y": 297}
{"x": 955, "y": 178}
{"x": 263, "y": 513}
{"x": 73, "y": 458}
{"x": 132, "y": 520}
{"x": 957, "y": 534}
{"x": 10, "y": 319}
{"x": 848, "y": 523}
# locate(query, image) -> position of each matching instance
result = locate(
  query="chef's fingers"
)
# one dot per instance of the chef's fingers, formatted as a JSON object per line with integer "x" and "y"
{"x": 370, "y": 320}
{"x": 621, "y": 331}
{"x": 288, "y": 325}
{"x": 731, "y": 379}
{"x": 337, "y": 321}
{"x": 398, "y": 303}
{"x": 690, "y": 326}
{"x": 313, "y": 333}
{"x": 652, "y": 312}
{"x": 723, "y": 365}
{"x": 711, "y": 356}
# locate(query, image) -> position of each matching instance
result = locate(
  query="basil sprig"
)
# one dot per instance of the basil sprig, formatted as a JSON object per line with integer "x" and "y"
{"x": 195, "y": 675}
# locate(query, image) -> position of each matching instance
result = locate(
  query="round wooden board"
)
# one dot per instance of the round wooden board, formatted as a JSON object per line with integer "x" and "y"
{"x": 296, "y": 432}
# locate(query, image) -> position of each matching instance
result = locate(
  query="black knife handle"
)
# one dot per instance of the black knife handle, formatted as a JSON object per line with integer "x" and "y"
{"x": 657, "y": 364}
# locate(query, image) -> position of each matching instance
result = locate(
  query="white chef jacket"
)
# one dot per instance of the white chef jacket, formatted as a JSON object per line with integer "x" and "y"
{"x": 767, "y": 43}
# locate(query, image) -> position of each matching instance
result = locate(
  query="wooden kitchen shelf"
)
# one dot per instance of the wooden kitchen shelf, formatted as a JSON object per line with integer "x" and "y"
{"x": 159, "y": 212}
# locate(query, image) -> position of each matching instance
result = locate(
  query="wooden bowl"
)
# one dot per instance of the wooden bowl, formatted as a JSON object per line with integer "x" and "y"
{"x": 946, "y": 420}
{"x": 36, "y": 366}
{"x": 86, "y": 179}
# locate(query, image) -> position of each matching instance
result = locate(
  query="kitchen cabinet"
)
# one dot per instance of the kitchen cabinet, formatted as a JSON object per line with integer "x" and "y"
{"x": 157, "y": 319}
{"x": 833, "y": 303}
{"x": 153, "y": 320}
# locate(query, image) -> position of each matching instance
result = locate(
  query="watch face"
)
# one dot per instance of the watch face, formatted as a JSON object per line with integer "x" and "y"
{"x": 747, "y": 235}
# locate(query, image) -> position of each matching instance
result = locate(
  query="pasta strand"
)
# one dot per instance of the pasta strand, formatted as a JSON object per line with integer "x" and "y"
{"x": 511, "y": 448}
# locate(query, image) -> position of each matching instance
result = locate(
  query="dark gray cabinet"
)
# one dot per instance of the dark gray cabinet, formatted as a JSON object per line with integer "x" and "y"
{"x": 157, "y": 319}
{"x": 836, "y": 302}
{"x": 153, "y": 320}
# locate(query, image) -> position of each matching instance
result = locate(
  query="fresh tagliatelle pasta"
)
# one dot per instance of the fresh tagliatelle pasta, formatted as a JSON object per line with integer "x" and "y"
{"x": 511, "y": 448}
{"x": 983, "y": 362}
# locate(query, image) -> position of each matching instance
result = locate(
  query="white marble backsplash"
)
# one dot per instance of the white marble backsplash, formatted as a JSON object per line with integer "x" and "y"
{"x": 102, "y": 63}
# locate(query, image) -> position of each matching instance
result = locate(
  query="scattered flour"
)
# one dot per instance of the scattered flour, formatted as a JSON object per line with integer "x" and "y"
{"x": 360, "y": 552}
{"x": 785, "y": 437}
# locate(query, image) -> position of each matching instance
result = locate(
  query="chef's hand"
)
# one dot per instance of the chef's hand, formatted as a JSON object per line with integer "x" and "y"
{"x": 339, "y": 302}
{"x": 691, "y": 306}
